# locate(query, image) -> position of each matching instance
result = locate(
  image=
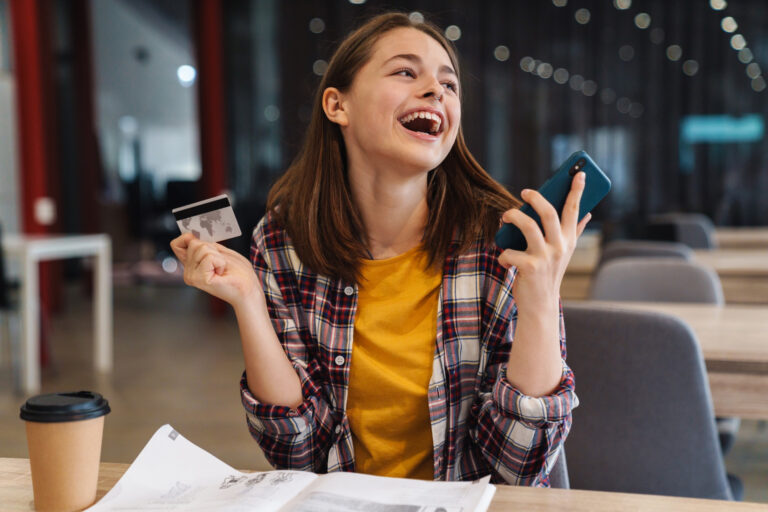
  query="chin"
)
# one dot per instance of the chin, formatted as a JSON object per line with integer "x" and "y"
{"x": 426, "y": 162}
{"x": 424, "y": 166}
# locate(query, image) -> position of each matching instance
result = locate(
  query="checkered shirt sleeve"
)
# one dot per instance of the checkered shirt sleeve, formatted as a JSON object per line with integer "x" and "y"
{"x": 298, "y": 438}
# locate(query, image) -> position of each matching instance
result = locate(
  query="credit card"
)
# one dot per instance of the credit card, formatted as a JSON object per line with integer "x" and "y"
{"x": 210, "y": 220}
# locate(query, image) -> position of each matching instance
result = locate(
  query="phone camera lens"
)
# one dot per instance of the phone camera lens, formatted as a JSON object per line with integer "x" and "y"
{"x": 578, "y": 166}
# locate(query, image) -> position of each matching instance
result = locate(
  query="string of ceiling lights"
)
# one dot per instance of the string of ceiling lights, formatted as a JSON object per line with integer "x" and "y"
{"x": 578, "y": 83}
{"x": 642, "y": 20}
{"x": 582, "y": 16}
{"x": 739, "y": 43}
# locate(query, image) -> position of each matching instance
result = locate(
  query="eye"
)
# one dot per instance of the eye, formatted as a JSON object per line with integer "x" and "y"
{"x": 452, "y": 86}
{"x": 406, "y": 72}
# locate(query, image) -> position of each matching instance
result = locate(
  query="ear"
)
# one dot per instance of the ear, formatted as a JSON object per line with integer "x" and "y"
{"x": 333, "y": 106}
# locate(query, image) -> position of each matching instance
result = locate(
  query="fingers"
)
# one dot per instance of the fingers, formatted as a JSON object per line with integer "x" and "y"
{"x": 572, "y": 202}
{"x": 510, "y": 258}
{"x": 198, "y": 250}
{"x": 583, "y": 224}
{"x": 203, "y": 262}
{"x": 550, "y": 220}
{"x": 226, "y": 250}
{"x": 180, "y": 244}
{"x": 211, "y": 265}
{"x": 533, "y": 235}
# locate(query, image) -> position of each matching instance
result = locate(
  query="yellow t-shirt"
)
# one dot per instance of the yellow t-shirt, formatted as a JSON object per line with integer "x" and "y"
{"x": 392, "y": 354}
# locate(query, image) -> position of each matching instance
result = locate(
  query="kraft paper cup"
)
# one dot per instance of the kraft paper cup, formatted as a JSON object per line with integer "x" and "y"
{"x": 64, "y": 432}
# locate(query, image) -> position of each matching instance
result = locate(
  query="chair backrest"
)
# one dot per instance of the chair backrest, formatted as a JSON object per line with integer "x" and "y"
{"x": 656, "y": 279}
{"x": 645, "y": 249}
{"x": 695, "y": 230}
{"x": 558, "y": 476}
{"x": 645, "y": 422}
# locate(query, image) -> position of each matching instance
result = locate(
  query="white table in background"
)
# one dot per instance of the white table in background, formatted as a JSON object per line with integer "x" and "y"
{"x": 29, "y": 251}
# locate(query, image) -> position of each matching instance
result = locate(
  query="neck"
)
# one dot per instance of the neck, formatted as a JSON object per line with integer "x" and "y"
{"x": 393, "y": 208}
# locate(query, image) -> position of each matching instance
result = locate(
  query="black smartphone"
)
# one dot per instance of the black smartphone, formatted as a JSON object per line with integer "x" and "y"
{"x": 555, "y": 190}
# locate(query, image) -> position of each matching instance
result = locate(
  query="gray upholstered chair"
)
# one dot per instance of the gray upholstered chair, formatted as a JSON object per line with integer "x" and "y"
{"x": 656, "y": 279}
{"x": 645, "y": 422}
{"x": 558, "y": 477}
{"x": 695, "y": 230}
{"x": 644, "y": 249}
{"x": 666, "y": 281}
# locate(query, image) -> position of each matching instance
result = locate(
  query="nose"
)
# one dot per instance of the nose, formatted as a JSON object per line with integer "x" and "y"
{"x": 434, "y": 90}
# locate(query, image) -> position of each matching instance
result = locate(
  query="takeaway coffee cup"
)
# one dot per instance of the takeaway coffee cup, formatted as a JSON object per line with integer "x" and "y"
{"x": 64, "y": 433}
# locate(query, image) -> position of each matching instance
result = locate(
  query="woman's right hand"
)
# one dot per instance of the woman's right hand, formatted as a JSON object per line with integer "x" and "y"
{"x": 229, "y": 276}
{"x": 217, "y": 270}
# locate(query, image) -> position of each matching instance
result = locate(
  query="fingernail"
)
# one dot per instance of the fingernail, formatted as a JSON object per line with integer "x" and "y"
{"x": 582, "y": 176}
{"x": 525, "y": 192}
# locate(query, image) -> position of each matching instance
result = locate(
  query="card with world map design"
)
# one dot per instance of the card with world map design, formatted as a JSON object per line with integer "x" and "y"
{"x": 210, "y": 220}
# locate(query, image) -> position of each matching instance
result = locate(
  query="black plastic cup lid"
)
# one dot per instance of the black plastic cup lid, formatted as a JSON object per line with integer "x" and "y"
{"x": 59, "y": 407}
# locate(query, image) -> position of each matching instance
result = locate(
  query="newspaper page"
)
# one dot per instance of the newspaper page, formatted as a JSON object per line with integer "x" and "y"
{"x": 355, "y": 492}
{"x": 172, "y": 474}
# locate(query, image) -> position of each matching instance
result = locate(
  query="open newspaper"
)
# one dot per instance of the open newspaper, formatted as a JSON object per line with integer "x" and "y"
{"x": 171, "y": 473}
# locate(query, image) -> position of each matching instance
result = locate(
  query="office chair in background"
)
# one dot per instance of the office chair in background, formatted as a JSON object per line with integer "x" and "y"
{"x": 667, "y": 280}
{"x": 645, "y": 422}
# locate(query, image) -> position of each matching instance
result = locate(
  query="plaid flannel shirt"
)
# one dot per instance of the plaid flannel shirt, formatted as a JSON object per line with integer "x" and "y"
{"x": 480, "y": 423}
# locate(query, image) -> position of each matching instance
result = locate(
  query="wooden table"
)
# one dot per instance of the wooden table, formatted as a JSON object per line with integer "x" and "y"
{"x": 726, "y": 238}
{"x": 743, "y": 273}
{"x": 742, "y": 238}
{"x": 16, "y": 495}
{"x": 734, "y": 342}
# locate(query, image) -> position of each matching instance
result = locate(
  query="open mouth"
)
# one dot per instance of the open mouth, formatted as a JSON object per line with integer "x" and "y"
{"x": 422, "y": 122}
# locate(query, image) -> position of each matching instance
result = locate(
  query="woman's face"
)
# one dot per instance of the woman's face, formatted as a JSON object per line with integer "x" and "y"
{"x": 403, "y": 108}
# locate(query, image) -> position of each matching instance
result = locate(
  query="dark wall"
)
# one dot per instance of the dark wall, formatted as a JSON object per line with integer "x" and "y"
{"x": 512, "y": 118}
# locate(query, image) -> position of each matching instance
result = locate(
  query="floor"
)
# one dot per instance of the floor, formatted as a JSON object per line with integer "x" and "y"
{"x": 176, "y": 364}
{"x": 173, "y": 364}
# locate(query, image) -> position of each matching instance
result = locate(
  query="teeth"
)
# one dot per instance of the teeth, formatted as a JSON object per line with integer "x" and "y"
{"x": 436, "y": 121}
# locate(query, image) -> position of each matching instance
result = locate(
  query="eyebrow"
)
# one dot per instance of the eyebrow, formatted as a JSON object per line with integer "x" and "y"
{"x": 417, "y": 60}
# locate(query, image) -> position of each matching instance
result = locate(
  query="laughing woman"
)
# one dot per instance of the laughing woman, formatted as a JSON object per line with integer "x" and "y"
{"x": 382, "y": 330}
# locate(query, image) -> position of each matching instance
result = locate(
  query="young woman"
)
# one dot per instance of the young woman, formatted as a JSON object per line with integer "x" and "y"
{"x": 382, "y": 330}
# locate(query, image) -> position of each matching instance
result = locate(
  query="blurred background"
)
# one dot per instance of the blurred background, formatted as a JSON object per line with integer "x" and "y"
{"x": 113, "y": 112}
{"x": 139, "y": 106}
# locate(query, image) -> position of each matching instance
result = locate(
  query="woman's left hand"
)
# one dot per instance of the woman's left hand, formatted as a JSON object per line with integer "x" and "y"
{"x": 540, "y": 268}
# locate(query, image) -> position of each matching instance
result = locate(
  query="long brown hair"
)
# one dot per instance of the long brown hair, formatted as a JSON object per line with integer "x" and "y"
{"x": 313, "y": 200}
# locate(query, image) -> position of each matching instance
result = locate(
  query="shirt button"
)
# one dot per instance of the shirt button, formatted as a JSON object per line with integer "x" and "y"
{"x": 349, "y": 290}
{"x": 338, "y": 429}
{"x": 339, "y": 360}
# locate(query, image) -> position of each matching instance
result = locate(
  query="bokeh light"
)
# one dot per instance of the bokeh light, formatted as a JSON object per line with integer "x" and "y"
{"x": 582, "y": 16}
{"x": 501, "y": 53}
{"x": 453, "y": 32}
{"x": 674, "y": 52}
{"x": 643, "y": 20}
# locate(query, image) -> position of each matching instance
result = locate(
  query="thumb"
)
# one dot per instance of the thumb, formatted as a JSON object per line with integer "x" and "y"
{"x": 213, "y": 265}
